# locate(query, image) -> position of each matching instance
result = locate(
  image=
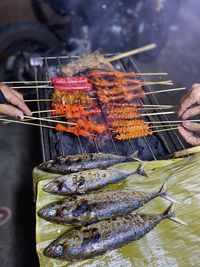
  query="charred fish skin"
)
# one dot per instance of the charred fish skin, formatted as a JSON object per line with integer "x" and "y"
{"x": 80, "y": 162}
{"x": 85, "y": 181}
{"x": 98, "y": 238}
{"x": 94, "y": 207}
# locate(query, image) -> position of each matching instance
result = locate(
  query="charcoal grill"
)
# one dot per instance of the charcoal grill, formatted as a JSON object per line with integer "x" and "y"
{"x": 54, "y": 143}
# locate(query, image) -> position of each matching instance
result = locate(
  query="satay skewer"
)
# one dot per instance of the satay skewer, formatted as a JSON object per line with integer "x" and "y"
{"x": 52, "y": 127}
{"x": 167, "y": 82}
{"x": 134, "y": 74}
{"x": 142, "y": 105}
{"x": 145, "y": 93}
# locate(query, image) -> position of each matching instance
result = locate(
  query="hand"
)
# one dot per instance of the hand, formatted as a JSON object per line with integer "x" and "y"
{"x": 189, "y": 107}
{"x": 15, "y": 106}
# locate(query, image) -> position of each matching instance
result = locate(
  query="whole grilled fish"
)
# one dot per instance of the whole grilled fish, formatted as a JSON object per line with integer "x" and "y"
{"x": 85, "y": 181}
{"x": 98, "y": 238}
{"x": 87, "y": 209}
{"x": 80, "y": 162}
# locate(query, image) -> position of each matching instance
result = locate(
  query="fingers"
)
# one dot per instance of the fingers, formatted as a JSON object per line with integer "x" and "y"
{"x": 191, "y": 112}
{"x": 192, "y": 97}
{"x": 17, "y": 94}
{"x": 11, "y": 111}
{"x": 195, "y": 127}
{"x": 189, "y": 137}
{"x": 15, "y": 98}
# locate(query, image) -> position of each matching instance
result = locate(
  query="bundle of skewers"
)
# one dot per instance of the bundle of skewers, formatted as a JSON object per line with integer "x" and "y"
{"x": 92, "y": 98}
{"x": 112, "y": 93}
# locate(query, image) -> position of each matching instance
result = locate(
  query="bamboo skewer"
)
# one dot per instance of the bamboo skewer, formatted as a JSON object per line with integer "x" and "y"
{"x": 165, "y": 130}
{"x": 33, "y": 87}
{"x": 151, "y": 74}
{"x": 146, "y": 93}
{"x": 163, "y": 126}
{"x": 169, "y": 106}
{"x": 150, "y": 108}
{"x": 166, "y": 90}
{"x": 175, "y": 121}
{"x": 168, "y": 82}
{"x": 143, "y": 105}
{"x": 50, "y": 120}
{"x": 26, "y": 82}
{"x": 43, "y": 111}
{"x": 37, "y": 100}
{"x": 56, "y": 116}
{"x": 51, "y": 127}
{"x": 133, "y": 52}
{"x": 158, "y": 113}
{"x": 26, "y": 123}
{"x": 135, "y": 74}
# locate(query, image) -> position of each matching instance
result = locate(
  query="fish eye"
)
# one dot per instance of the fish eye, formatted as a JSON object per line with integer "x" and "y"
{"x": 58, "y": 249}
{"x": 52, "y": 213}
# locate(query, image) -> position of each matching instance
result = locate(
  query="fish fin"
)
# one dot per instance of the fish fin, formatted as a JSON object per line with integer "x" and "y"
{"x": 134, "y": 156}
{"x": 140, "y": 170}
{"x": 169, "y": 213}
{"x": 164, "y": 193}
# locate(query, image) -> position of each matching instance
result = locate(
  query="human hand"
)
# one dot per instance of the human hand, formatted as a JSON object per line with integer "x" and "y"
{"x": 189, "y": 107}
{"x": 15, "y": 105}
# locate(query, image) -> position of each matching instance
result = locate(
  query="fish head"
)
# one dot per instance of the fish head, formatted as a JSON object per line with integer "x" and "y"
{"x": 48, "y": 213}
{"x": 60, "y": 186}
{"x": 55, "y": 250}
{"x": 65, "y": 247}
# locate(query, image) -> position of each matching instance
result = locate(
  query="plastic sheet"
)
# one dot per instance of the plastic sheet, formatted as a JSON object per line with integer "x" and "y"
{"x": 169, "y": 244}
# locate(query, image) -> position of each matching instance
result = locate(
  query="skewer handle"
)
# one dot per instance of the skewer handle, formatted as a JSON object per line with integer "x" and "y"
{"x": 50, "y": 120}
{"x": 26, "y": 123}
{"x": 133, "y": 52}
{"x": 165, "y": 90}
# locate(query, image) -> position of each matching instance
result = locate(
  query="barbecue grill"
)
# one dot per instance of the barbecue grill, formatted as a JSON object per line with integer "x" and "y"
{"x": 54, "y": 143}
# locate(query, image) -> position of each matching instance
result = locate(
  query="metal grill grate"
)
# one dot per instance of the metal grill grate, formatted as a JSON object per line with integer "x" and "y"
{"x": 55, "y": 144}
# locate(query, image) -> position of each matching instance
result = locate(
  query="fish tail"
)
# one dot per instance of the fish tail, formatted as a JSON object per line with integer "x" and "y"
{"x": 170, "y": 214}
{"x": 141, "y": 171}
{"x": 163, "y": 193}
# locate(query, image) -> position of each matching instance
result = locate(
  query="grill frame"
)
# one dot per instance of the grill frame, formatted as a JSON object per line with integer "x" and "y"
{"x": 44, "y": 67}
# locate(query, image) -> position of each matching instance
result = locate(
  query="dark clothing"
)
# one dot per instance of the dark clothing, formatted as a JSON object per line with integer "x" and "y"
{"x": 2, "y": 98}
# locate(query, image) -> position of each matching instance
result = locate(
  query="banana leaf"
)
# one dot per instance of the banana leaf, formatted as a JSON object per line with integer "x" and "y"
{"x": 169, "y": 244}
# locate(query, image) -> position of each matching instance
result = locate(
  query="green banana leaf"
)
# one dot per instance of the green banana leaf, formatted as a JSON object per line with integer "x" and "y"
{"x": 169, "y": 244}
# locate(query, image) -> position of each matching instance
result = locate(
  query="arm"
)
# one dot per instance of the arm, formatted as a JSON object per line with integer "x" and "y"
{"x": 189, "y": 107}
{"x": 12, "y": 103}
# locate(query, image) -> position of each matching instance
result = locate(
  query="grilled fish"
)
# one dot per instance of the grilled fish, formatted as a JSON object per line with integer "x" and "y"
{"x": 85, "y": 181}
{"x": 74, "y": 163}
{"x": 98, "y": 238}
{"x": 94, "y": 207}
{"x": 92, "y": 61}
